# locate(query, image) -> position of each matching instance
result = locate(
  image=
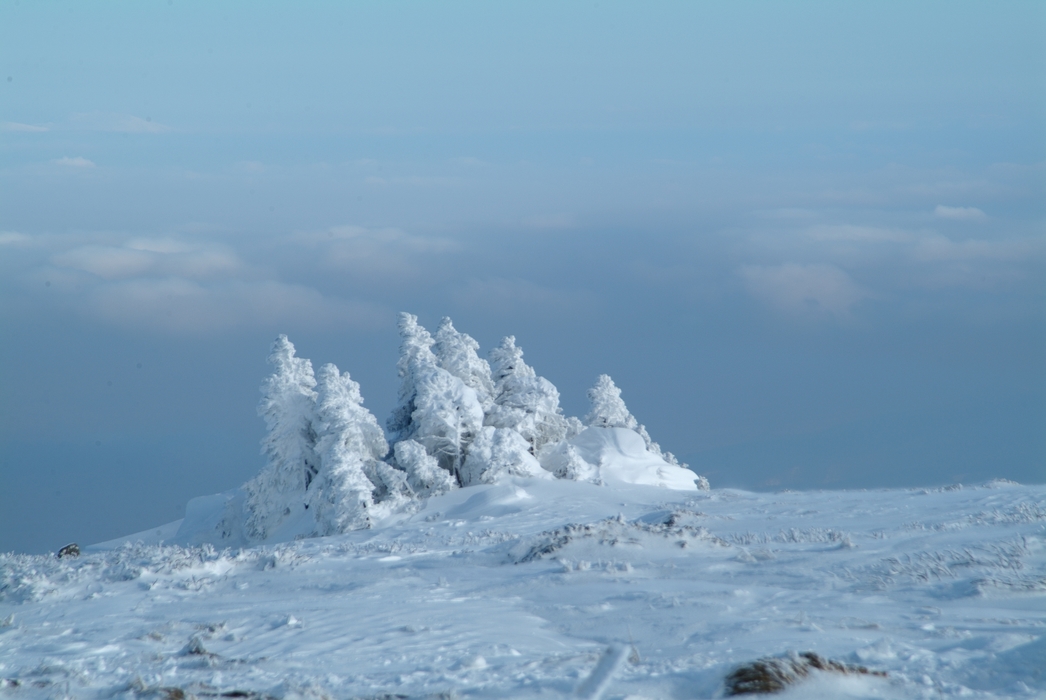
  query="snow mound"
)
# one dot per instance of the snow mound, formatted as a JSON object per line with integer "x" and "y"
{"x": 212, "y": 519}
{"x": 617, "y": 454}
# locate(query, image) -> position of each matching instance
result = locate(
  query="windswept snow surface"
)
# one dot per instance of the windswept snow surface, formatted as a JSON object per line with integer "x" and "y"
{"x": 516, "y": 589}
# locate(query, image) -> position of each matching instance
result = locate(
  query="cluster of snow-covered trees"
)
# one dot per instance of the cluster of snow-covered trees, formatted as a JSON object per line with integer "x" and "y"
{"x": 460, "y": 420}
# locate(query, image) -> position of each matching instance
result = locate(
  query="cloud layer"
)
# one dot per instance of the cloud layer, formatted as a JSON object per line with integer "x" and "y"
{"x": 75, "y": 162}
{"x": 796, "y": 266}
{"x": 803, "y": 289}
{"x": 24, "y": 128}
{"x": 959, "y": 213}
{"x": 175, "y": 284}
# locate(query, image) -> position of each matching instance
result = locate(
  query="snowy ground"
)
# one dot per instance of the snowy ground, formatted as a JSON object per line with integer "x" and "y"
{"x": 515, "y": 589}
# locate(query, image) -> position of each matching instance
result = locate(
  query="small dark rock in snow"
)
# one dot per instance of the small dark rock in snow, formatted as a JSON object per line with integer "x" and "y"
{"x": 774, "y": 674}
{"x": 70, "y": 550}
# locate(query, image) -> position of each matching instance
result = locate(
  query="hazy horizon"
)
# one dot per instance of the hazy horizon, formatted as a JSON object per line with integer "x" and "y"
{"x": 806, "y": 240}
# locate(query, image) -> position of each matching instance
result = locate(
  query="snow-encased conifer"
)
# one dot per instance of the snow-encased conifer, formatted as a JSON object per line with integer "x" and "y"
{"x": 525, "y": 402}
{"x": 424, "y": 474}
{"x": 277, "y": 493}
{"x": 608, "y": 408}
{"x": 436, "y": 409}
{"x": 391, "y": 490}
{"x": 565, "y": 462}
{"x": 609, "y": 411}
{"x": 447, "y": 416}
{"x": 350, "y": 446}
{"x": 456, "y": 352}
{"x": 415, "y": 356}
{"x": 496, "y": 453}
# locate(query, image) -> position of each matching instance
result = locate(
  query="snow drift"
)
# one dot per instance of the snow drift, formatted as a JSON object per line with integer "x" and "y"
{"x": 616, "y": 454}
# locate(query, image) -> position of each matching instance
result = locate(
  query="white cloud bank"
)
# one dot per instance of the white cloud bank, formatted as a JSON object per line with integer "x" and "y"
{"x": 806, "y": 269}
{"x": 940, "y": 248}
{"x": 959, "y": 213}
{"x": 194, "y": 284}
{"x": 373, "y": 252}
{"x": 77, "y": 162}
{"x": 189, "y": 306}
{"x": 152, "y": 257}
{"x": 14, "y": 239}
{"x": 803, "y": 289}
{"x": 24, "y": 128}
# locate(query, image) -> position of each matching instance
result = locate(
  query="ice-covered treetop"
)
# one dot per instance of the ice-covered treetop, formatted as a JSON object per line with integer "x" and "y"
{"x": 416, "y": 344}
{"x": 292, "y": 382}
{"x": 507, "y": 360}
{"x": 608, "y": 408}
{"x": 456, "y": 352}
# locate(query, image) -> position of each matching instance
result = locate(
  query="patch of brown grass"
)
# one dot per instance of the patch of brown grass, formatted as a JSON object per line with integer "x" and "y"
{"x": 772, "y": 674}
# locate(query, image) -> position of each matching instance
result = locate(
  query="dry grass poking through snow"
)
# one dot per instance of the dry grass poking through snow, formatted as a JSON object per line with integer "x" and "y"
{"x": 775, "y": 673}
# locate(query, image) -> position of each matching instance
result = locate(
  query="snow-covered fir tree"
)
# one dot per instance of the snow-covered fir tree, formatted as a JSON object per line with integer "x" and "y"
{"x": 525, "y": 402}
{"x": 424, "y": 475}
{"x": 609, "y": 411}
{"x": 496, "y": 453}
{"x": 565, "y": 462}
{"x": 288, "y": 405}
{"x": 447, "y": 416}
{"x": 350, "y": 446}
{"x": 391, "y": 491}
{"x": 608, "y": 408}
{"x": 415, "y": 356}
{"x": 436, "y": 408}
{"x": 456, "y": 352}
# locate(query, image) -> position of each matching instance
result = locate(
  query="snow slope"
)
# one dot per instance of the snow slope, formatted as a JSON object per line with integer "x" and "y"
{"x": 515, "y": 590}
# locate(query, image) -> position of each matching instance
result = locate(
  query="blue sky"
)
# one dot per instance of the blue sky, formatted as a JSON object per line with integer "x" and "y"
{"x": 804, "y": 238}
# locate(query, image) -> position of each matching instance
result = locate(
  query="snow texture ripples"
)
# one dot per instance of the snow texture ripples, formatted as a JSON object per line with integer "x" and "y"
{"x": 517, "y": 589}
